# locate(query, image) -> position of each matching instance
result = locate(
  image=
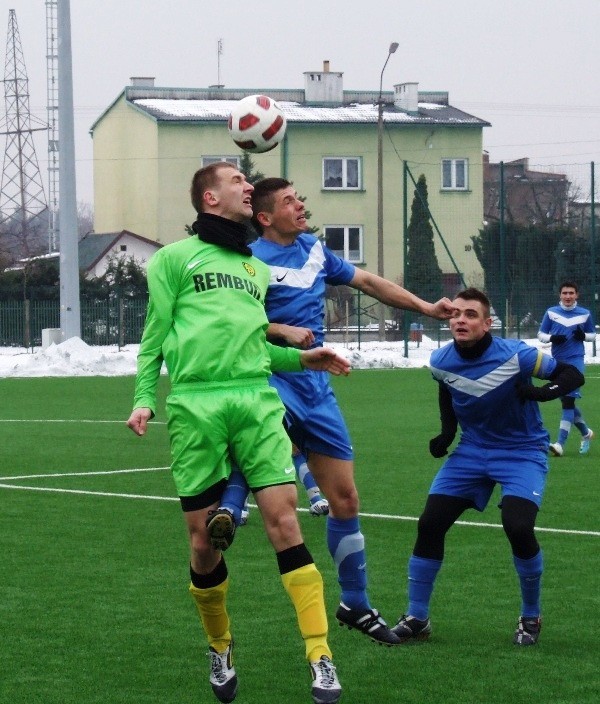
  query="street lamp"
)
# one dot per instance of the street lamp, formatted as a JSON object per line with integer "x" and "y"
{"x": 391, "y": 50}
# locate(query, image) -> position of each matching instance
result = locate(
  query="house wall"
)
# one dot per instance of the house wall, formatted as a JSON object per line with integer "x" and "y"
{"x": 143, "y": 173}
{"x": 126, "y": 171}
{"x": 138, "y": 249}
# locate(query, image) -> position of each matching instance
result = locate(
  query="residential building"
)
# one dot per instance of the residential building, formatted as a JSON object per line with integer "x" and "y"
{"x": 150, "y": 141}
{"x": 530, "y": 197}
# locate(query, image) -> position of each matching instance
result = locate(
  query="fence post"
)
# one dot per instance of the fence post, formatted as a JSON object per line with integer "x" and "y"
{"x": 358, "y": 305}
{"x": 27, "y": 323}
{"x": 120, "y": 341}
{"x": 593, "y": 249}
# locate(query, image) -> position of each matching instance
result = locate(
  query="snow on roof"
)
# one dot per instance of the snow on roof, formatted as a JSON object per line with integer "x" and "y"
{"x": 219, "y": 110}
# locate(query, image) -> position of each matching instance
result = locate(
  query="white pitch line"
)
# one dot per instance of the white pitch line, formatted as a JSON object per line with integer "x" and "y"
{"x": 384, "y": 516}
{"x": 71, "y": 420}
{"x": 479, "y": 524}
{"x": 84, "y": 474}
{"x": 89, "y": 493}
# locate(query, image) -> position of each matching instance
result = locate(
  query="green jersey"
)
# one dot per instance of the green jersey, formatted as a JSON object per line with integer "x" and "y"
{"x": 206, "y": 320}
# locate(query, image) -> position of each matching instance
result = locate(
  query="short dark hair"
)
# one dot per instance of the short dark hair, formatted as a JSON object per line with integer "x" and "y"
{"x": 474, "y": 294}
{"x": 263, "y": 197}
{"x": 204, "y": 179}
{"x": 568, "y": 284}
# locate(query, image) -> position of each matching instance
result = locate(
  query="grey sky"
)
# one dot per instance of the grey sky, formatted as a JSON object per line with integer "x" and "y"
{"x": 530, "y": 67}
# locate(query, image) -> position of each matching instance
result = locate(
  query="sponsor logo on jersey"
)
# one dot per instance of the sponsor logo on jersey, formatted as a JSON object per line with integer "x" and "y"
{"x": 249, "y": 268}
{"x": 212, "y": 280}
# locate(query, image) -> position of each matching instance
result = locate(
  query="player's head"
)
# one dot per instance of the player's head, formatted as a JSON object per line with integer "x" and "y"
{"x": 276, "y": 207}
{"x": 471, "y": 318}
{"x": 221, "y": 189}
{"x": 568, "y": 293}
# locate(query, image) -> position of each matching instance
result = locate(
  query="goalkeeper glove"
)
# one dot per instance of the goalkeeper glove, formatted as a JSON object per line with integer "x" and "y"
{"x": 438, "y": 446}
{"x": 579, "y": 334}
{"x": 558, "y": 339}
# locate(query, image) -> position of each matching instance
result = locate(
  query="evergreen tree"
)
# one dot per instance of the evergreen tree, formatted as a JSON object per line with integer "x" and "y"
{"x": 248, "y": 169}
{"x": 423, "y": 273}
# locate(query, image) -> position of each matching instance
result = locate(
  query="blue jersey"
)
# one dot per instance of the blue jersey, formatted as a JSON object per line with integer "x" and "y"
{"x": 299, "y": 274}
{"x": 484, "y": 399}
{"x": 558, "y": 321}
{"x": 296, "y": 296}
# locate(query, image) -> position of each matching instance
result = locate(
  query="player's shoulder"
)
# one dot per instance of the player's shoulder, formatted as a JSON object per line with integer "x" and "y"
{"x": 442, "y": 353}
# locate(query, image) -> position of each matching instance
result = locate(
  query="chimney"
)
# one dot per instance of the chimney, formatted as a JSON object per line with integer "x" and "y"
{"x": 324, "y": 87}
{"x": 406, "y": 97}
{"x": 142, "y": 81}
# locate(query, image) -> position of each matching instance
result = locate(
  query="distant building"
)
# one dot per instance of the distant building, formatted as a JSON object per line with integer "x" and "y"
{"x": 150, "y": 141}
{"x": 530, "y": 197}
{"x": 96, "y": 251}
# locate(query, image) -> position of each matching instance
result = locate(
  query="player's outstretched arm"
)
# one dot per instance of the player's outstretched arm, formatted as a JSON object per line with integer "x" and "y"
{"x": 138, "y": 420}
{"x": 324, "y": 359}
{"x": 393, "y": 295}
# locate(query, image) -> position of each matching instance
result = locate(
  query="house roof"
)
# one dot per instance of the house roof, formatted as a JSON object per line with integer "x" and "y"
{"x": 172, "y": 110}
{"x": 94, "y": 246}
{"x": 215, "y": 105}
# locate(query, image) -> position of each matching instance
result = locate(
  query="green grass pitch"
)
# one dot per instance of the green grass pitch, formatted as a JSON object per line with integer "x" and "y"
{"x": 94, "y": 606}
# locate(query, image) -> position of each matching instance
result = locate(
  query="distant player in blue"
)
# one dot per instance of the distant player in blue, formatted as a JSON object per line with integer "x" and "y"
{"x": 567, "y": 326}
{"x": 301, "y": 266}
{"x": 485, "y": 387}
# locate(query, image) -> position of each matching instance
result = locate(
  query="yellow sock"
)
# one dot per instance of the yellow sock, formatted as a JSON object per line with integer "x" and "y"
{"x": 213, "y": 614}
{"x": 305, "y": 588}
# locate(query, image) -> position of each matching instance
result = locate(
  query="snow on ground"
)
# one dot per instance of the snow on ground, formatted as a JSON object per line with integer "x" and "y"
{"x": 75, "y": 358}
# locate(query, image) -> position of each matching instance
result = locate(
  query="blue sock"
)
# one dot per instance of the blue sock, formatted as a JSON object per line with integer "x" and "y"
{"x": 347, "y": 547}
{"x": 579, "y": 423}
{"x": 566, "y": 421}
{"x": 306, "y": 477}
{"x": 235, "y": 494}
{"x": 421, "y": 577}
{"x": 530, "y": 576}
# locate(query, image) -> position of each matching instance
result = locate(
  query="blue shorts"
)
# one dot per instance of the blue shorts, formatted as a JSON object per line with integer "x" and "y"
{"x": 313, "y": 418}
{"x": 472, "y": 472}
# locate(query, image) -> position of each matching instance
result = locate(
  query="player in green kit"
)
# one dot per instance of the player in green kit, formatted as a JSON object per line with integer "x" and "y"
{"x": 206, "y": 321}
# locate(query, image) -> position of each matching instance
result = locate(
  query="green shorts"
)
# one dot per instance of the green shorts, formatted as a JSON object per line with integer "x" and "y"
{"x": 212, "y": 424}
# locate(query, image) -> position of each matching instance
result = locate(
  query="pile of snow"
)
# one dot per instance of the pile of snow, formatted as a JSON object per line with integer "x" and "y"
{"x": 75, "y": 358}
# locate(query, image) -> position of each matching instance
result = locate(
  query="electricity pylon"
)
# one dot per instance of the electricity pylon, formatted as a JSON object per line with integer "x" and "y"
{"x": 23, "y": 208}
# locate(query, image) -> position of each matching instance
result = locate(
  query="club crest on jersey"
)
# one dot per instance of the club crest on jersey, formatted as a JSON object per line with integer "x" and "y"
{"x": 249, "y": 268}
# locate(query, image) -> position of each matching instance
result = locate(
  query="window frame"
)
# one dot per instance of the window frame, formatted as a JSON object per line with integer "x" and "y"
{"x": 208, "y": 159}
{"x": 346, "y": 252}
{"x": 344, "y": 160}
{"x": 453, "y": 163}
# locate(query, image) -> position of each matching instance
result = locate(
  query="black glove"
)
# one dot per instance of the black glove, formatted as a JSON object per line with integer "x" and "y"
{"x": 438, "y": 446}
{"x": 579, "y": 334}
{"x": 558, "y": 339}
{"x": 529, "y": 392}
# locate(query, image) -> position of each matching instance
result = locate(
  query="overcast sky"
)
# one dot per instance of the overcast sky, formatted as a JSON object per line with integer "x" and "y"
{"x": 530, "y": 67}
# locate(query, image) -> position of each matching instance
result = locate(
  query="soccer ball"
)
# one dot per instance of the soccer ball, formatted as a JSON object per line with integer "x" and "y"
{"x": 257, "y": 124}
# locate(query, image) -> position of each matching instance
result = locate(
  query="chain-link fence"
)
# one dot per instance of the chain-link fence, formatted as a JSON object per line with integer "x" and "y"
{"x": 114, "y": 322}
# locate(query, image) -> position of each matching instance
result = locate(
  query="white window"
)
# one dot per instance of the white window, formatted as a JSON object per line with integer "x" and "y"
{"x": 455, "y": 174}
{"x": 235, "y": 160}
{"x": 341, "y": 173}
{"x": 346, "y": 241}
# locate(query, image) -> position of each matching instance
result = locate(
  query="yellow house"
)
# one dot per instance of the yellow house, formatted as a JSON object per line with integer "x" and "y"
{"x": 150, "y": 141}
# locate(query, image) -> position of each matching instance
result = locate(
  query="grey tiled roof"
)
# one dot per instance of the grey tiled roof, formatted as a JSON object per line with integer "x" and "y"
{"x": 192, "y": 110}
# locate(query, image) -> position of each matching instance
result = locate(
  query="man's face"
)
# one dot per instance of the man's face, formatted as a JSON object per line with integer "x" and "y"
{"x": 469, "y": 323}
{"x": 288, "y": 216}
{"x": 230, "y": 198}
{"x": 568, "y": 296}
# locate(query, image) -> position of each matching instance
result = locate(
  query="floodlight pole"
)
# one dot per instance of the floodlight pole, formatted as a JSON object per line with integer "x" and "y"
{"x": 380, "y": 255}
{"x": 70, "y": 316}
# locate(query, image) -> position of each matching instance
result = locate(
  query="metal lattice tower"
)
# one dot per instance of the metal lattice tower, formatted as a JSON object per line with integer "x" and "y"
{"x": 22, "y": 201}
{"x": 52, "y": 108}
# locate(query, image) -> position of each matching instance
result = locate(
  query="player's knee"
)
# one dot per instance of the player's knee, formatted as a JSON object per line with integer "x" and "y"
{"x": 344, "y": 502}
{"x": 520, "y": 533}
